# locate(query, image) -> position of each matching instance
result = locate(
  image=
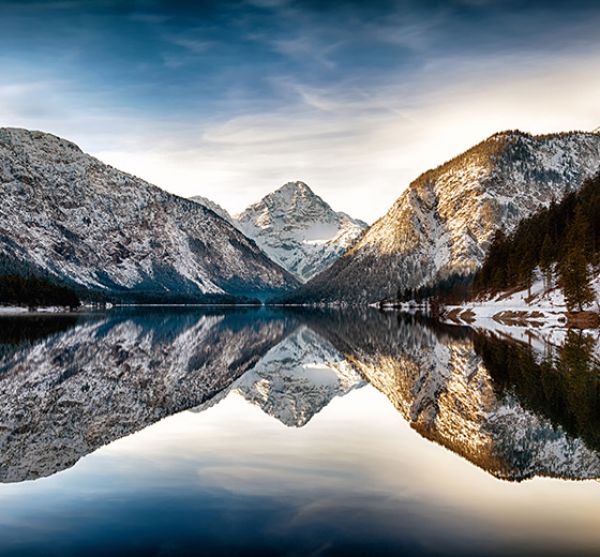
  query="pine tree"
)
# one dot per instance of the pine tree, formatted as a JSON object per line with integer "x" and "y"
{"x": 575, "y": 280}
{"x": 547, "y": 258}
{"x": 574, "y": 273}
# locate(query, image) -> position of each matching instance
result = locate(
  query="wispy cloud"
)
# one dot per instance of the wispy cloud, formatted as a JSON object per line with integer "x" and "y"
{"x": 232, "y": 101}
{"x": 306, "y": 49}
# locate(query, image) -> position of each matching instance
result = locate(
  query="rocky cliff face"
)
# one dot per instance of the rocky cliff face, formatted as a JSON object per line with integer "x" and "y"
{"x": 444, "y": 222}
{"x": 298, "y": 230}
{"x": 89, "y": 225}
{"x": 215, "y": 208}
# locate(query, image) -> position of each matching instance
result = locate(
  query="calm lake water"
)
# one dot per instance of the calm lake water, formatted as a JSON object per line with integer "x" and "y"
{"x": 267, "y": 432}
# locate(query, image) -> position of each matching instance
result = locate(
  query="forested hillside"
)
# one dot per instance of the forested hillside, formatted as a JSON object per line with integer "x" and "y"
{"x": 562, "y": 241}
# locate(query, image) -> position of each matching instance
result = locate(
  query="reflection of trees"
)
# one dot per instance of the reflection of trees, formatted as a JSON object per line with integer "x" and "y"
{"x": 564, "y": 388}
{"x": 436, "y": 377}
{"x": 21, "y": 331}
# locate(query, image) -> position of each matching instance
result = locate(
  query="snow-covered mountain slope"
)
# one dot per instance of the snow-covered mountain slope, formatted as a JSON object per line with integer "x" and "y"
{"x": 497, "y": 418}
{"x": 215, "y": 208}
{"x": 296, "y": 379}
{"x": 64, "y": 396}
{"x": 66, "y": 213}
{"x": 298, "y": 230}
{"x": 445, "y": 220}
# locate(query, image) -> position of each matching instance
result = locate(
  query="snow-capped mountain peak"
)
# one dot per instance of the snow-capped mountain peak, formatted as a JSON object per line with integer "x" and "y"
{"x": 299, "y": 230}
{"x": 444, "y": 222}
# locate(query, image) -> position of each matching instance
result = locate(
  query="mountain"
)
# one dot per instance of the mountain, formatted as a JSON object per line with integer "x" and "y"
{"x": 66, "y": 215}
{"x": 215, "y": 208}
{"x": 444, "y": 222}
{"x": 298, "y": 230}
{"x": 296, "y": 379}
{"x": 549, "y": 263}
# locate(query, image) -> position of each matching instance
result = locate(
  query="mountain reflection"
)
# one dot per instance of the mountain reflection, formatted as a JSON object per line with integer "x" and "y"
{"x": 561, "y": 383}
{"x": 104, "y": 378}
{"x": 70, "y": 385}
{"x": 514, "y": 412}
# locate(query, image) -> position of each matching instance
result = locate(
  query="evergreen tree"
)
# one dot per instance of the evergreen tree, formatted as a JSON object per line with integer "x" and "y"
{"x": 547, "y": 257}
{"x": 574, "y": 273}
{"x": 574, "y": 279}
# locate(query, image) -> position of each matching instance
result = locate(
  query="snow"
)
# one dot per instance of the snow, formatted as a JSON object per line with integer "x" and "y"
{"x": 17, "y": 310}
{"x": 298, "y": 230}
{"x": 68, "y": 214}
{"x": 541, "y": 305}
{"x": 214, "y": 207}
{"x": 536, "y": 317}
{"x": 11, "y": 310}
{"x": 130, "y": 372}
{"x": 445, "y": 220}
{"x": 296, "y": 379}
{"x": 443, "y": 388}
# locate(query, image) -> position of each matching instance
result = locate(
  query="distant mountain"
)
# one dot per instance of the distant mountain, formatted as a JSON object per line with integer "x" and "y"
{"x": 298, "y": 230}
{"x": 68, "y": 216}
{"x": 444, "y": 222}
{"x": 215, "y": 208}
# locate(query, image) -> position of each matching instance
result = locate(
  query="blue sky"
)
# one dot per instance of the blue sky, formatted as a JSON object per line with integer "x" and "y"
{"x": 231, "y": 99}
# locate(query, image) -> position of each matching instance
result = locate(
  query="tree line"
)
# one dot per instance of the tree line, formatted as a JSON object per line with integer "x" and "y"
{"x": 35, "y": 291}
{"x": 561, "y": 240}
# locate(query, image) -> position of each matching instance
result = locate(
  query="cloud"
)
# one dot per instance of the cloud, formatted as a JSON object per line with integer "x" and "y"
{"x": 355, "y": 102}
{"x": 306, "y": 49}
{"x": 366, "y": 148}
{"x": 195, "y": 46}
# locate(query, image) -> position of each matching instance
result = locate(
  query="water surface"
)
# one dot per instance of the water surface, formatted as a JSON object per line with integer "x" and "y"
{"x": 271, "y": 432}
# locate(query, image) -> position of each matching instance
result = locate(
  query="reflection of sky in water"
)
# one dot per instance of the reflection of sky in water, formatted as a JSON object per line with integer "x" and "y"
{"x": 354, "y": 479}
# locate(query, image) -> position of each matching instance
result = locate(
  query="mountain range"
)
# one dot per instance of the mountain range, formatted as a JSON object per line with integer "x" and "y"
{"x": 111, "y": 236}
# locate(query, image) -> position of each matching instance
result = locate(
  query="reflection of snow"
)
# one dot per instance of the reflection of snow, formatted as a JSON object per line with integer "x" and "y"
{"x": 297, "y": 378}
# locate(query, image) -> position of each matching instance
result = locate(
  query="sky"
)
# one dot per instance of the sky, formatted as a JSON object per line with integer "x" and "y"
{"x": 230, "y": 100}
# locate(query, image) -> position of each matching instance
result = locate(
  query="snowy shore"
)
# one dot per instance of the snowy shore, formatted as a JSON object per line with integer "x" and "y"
{"x": 535, "y": 307}
{"x": 20, "y": 310}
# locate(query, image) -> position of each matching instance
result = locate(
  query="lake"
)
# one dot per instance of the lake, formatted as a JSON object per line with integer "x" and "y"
{"x": 267, "y": 431}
